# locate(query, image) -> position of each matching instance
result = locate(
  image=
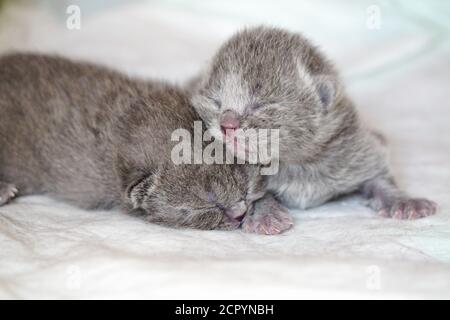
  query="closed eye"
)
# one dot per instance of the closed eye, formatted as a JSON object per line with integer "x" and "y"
{"x": 260, "y": 104}
{"x": 197, "y": 210}
{"x": 204, "y": 208}
{"x": 216, "y": 101}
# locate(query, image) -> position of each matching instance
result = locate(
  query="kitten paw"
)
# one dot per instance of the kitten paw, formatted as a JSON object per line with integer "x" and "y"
{"x": 409, "y": 209}
{"x": 7, "y": 192}
{"x": 272, "y": 221}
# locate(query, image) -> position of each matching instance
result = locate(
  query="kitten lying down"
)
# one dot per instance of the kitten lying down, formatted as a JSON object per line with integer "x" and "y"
{"x": 98, "y": 139}
{"x": 271, "y": 78}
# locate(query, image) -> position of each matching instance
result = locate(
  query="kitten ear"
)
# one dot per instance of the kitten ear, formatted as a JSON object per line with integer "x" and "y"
{"x": 325, "y": 86}
{"x": 327, "y": 91}
{"x": 141, "y": 188}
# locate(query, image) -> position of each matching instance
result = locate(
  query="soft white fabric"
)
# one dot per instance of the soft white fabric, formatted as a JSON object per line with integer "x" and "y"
{"x": 398, "y": 75}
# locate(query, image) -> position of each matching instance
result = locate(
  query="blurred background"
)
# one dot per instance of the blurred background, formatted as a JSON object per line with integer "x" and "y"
{"x": 176, "y": 37}
{"x": 384, "y": 49}
{"x": 173, "y": 39}
{"x": 372, "y": 41}
{"x": 395, "y": 59}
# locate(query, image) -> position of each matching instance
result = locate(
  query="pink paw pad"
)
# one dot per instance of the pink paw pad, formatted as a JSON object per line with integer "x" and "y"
{"x": 269, "y": 223}
{"x": 409, "y": 209}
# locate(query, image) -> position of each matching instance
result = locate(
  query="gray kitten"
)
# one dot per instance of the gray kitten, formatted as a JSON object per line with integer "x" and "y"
{"x": 270, "y": 78}
{"x": 98, "y": 139}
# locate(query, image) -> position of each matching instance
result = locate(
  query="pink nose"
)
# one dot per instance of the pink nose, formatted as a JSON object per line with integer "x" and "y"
{"x": 237, "y": 212}
{"x": 235, "y": 216}
{"x": 229, "y": 121}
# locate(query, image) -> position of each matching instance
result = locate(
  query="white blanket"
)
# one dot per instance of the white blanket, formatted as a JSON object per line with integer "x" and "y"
{"x": 398, "y": 74}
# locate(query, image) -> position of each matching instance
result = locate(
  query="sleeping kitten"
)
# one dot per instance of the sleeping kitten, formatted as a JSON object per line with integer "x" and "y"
{"x": 95, "y": 138}
{"x": 270, "y": 78}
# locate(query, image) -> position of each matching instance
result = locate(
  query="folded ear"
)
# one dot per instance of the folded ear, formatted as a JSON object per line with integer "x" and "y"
{"x": 325, "y": 85}
{"x": 327, "y": 91}
{"x": 141, "y": 188}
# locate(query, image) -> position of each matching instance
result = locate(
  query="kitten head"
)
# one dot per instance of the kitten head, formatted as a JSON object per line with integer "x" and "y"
{"x": 197, "y": 196}
{"x": 265, "y": 78}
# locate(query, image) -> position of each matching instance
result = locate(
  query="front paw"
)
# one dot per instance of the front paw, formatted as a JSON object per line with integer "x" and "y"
{"x": 268, "y": 220}
{"x": 7, "y": 192}
{"x": 409, "y": 209}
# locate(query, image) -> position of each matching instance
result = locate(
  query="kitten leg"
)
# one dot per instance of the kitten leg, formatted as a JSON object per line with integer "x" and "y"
{"x": 389, "y": 201}
{"x": 7, "y": 192}
{"x": 268, "y": 217}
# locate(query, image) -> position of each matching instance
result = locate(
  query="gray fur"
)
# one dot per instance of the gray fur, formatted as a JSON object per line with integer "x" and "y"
{"x": 275, "y": 79}
{"x": 98, "y": 139}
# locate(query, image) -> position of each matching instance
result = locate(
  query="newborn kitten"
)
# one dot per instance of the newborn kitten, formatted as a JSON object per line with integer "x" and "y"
{"x": 270, "y": 78}
{"x": 95, "y": 138}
